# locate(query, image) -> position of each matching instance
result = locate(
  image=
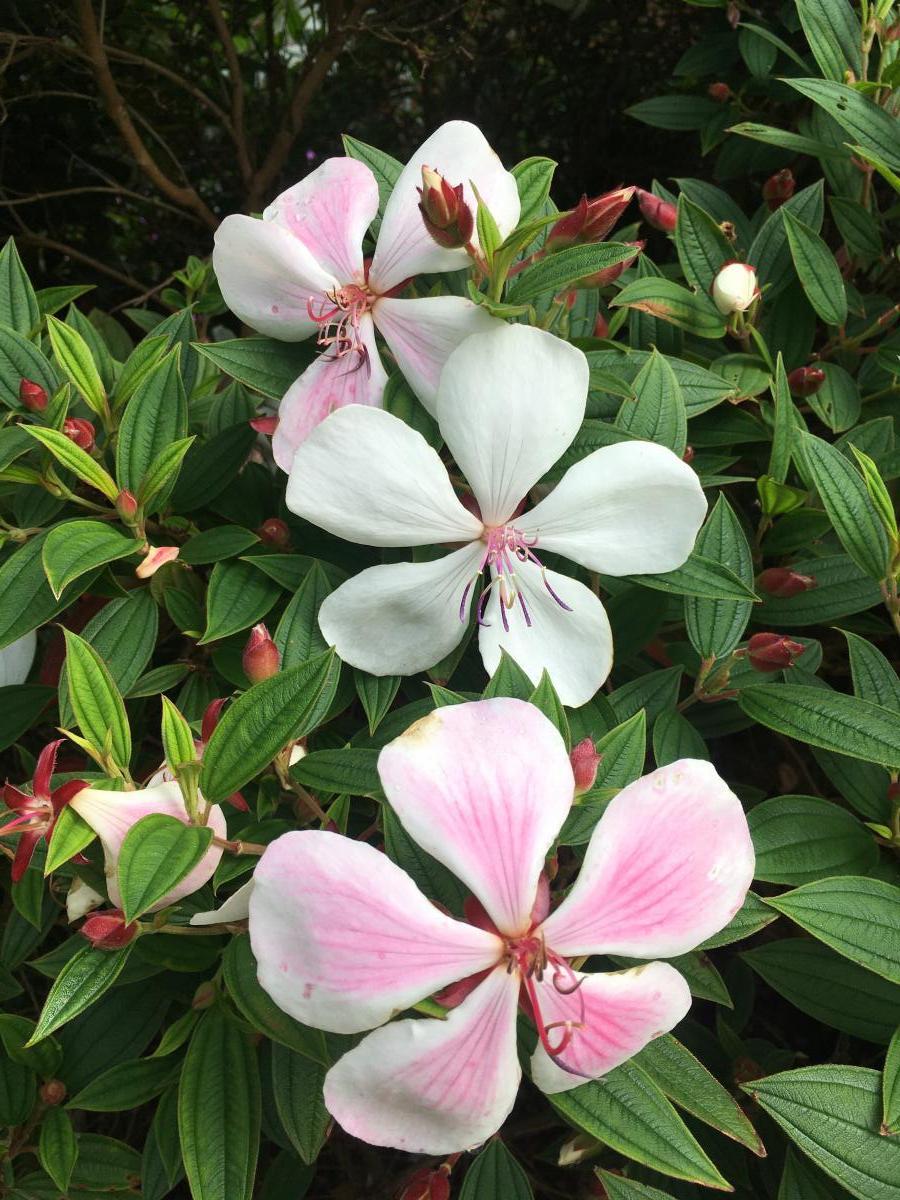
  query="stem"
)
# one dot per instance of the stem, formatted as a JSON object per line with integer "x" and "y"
{"x": 238, "y": 847}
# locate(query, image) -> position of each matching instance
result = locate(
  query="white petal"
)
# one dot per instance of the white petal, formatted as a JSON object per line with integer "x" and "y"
{"x": 268, "y": 277}
{"x": 460, "y": 152}
{"x": 235, "y": 908}
{"x": 81, "y": 899}
{"x": 510, "y": 401}
{"x": 423, "y": 333}
{"x": 366, "y": 476}
{"x": 632, "y": 508}
{"x": 16, "y": 660}
{"x": 326, "y": 385}
{"x": 431, "y": 1086}
{"x": 400, "y": 618}
{"x": 574, "y": 647}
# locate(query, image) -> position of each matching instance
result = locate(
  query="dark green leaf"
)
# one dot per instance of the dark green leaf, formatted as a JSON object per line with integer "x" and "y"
{"x": 157, "y": 854}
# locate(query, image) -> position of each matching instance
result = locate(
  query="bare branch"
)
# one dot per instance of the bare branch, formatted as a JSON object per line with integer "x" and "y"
{"x": 45, "y": 243}
{"x": 237, "y": 89}
{"x": 111, "y": 191}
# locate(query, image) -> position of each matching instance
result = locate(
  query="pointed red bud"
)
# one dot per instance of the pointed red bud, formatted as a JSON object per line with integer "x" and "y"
{"x": 53, "y": 1092}
{"x": 589, "y": 220}
{"x": 784, "y": 583}
{"x": 428, "y": 1184}
{"x": 660, "y": 214}
{"x": 211, "y": 718}
{"x": 32, "y": 395}
{"x": 778, "y": 188}
{"x": 261, "y": 659}
{"x": 601, "y": 326}
{"x": 108, "y": 930}
{"x": 264, "y": 425}
{"x": 720, "y": 92}
{"x": 585, "y": 760}
{"x": 805, "y": 381}
{"x": 274, "y": 532}
{"x": 769, "y": 652}
{"x": 127, "y": 506}
{"x": 444, "y": 210}
{"x": 80, "y": 431}
{"x": 609, "y": 275}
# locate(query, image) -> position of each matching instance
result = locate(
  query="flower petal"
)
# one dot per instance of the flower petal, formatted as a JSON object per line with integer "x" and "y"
{"x": 112, "y": 814}
{"x": 631, "y": 508}
{"x": 235, "y": 908}
{"x": 574, "y": 647}
{"x": 460, "y": 152}
{"x": 344, "y": 939}
{"x": 268, "y": 277}
{"x": 368, "y": 477}
{"x": 328, "y": 384}
{"x": 400, "y": 618}
{"x": 668, "y": 865}
{"x": 430, "y": 1086}
{"x": 510, "y": 401}
{"x": 16, "y": 660}
{"x": 329, "y": 211}
{"x": 485, "y": 788}
{"x": 423, "y": 333}
{"x": 619, "y": 1012}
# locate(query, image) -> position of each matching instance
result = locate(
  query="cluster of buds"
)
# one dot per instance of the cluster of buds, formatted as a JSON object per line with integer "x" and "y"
{"x": 585, "y": 760}
{"x": 32, "y": 396}
{"x": 444, "y": 210}
{"x": 783, "y": 583}
{"x": 261, "y": 659}
{"x": 109, "y": 930}
{"x": 590, "y": 220}
{"x": 735, "y": 288}
{"x": 659, "y": 214}
{"x": 778, "y": 188}
{"x": 80, "y": 431}
{"x": 805, "y": 381}
{"x": 768, "y": 652}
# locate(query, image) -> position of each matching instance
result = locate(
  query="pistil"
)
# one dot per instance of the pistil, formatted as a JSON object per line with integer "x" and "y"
{"x": 339, "y": 321}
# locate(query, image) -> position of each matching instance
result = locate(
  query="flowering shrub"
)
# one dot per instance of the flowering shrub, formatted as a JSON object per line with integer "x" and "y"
{"x": 462, "y": 705}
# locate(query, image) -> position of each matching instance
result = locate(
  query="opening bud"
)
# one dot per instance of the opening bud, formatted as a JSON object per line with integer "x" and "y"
{"x": 778, "y": 188}
{"x": 108, "y": 930}
{"x": 720, "y": 92}
{"x": 585, "y": 760}
{"x": 274, "y": 532}
{"x": 53, "y": 1092}
{"x": 127, "y": 506}
{"x": 659, "y": 214}
{"x": 805, "y": 381}
{"x": 428, "y": 1183}
{"x": 261, "y": 659}
{"x": 769, "y": 652}
{"x": 735, "y": 288}
{"x": 32, "y": 395}
{"x": 154, "y": 558}
{"x": 784, "y": 583}
{"x": 80, "y": 431}
{"x": 589, "y": 220}
{"x": 444, "y": 210}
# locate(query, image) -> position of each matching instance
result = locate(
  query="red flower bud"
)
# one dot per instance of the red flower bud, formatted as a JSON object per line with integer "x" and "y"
{"x": 589, "y": 220}
{"x": 53, "y": 1092}
{"x": 32, "y": 395}
{"x": 585, "y": 760}
{"x": 127, "y": 506}
{"x": 805, "y": 381}
{"x": 688, "y": 456}
{"x": 784, "y": 583}
{"x": 264, "y": 425}
{"x": 601, "y": 326}
{"x": 274, "y": 532}
{"x": 261, "y": 659}
{"x": 447, "y": 217}
{"x": 720, "y": 92}
{"x": 893, "y": 793}
{"x": 610, "y": 274}
{"x": 108, "y": 930}
{"x": 778, "y": 188}
{"x": 80, "y": 431}
{"x": 772, "y": 651}
{"x": 428, "y": 1184}
{"x": 659, "y": 213}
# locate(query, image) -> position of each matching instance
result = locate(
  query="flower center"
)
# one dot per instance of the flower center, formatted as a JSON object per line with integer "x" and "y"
{"x": 505, "y": 547}
{"x": 339, "y": 317}
{"x": 531, "y": 957}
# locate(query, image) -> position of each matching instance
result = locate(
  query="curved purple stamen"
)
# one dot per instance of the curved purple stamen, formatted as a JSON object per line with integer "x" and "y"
{"x": 505, "y": 545}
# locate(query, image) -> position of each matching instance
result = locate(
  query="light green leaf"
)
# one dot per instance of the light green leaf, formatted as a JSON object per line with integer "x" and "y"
{"x": 18, "y": 304}
{"x": 96, "y": 701}
{"x": 76, "y": 547}
{"x": 560, "y": 271}
{"x": 83, "y": 979}
{"x": 671, "y": 302}
{"x": 74, "y": 459}
{"x": 74, "y": 356}
{"x": 157, "y": 854}
{"x": 817, "y": 270}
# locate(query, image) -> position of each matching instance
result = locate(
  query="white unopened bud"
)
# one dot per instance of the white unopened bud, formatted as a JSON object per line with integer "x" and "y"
{"x": 735, "y": 288}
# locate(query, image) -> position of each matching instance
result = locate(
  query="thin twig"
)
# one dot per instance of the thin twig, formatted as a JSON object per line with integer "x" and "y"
{"x": 237, "y": 89}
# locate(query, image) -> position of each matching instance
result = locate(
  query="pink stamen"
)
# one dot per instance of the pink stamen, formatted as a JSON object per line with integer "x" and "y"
{"x": 339, "y": 323}
{"x": 505, "y": 547}
{"x": 530, "y": 956}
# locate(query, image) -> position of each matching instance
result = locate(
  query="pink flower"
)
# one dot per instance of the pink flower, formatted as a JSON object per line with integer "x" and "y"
{"x": 300, "y": 271}
{"x": 344, "y": 939}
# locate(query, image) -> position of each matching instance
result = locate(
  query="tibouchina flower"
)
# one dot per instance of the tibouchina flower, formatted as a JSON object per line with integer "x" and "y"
{"x": 344, "y": 939}
{"x": 300, "y": 272}
{"x": 16, "y": 660}
{"x": 509, "y": 404}
{"x": 112, "y": 814}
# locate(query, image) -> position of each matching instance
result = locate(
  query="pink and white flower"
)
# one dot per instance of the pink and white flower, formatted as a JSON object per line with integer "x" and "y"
{"x": 300, "y": 271}
{"x": 344, "y": 939}
{"x": 509, "y": 403}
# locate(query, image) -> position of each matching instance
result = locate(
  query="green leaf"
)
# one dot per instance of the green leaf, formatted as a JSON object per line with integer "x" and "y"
{"x": 376, "y": 694}
{"x": 819, "y": 717}
{"x": 700, "y": 389}
{"x": 159, "y": 679}
{"x": 657, "y": 412}
{"x": 857, "y": 917}
{"x": 508, "y": 680}
{"x": 74, "y": 459}
{"x": 18, "y": 304}
{"x": 212, "y": 545}
{"x": 298, "y": 636}
{"x": 834, "y": 35}
{"x": 58, "y": 1147}
{"x": 210, "y": 466}
{"x": 878, "y": 494}
{"x": 675, "y": 737}
{"x": 155, "y": 417}
{"x": 837, "y": 402}
{"x": 495, "y": 1174}
{"x": 157, "y": 854}
{"x": 21, "y": 359}
{"x": 676, "y": 112}
{"x": 219, "y": 1110}
{"x": 715, "y": 627}
{"x": 782, "y": 424}
{"x": 96, "y": 701}
{"x": 699, "y": 576}
{"x": 125, "y": 1086}
{"x": 297, "y": 1085}
{"x": 177, "y": 736}
{"x": 20, "y": 707}
{"x": 347, "y": 772}
{"x": 654, "y": 691}
{"x": 751, "y": 917}
{"x": 71, "y": 834}
{"x": 670, "y": 302}
{"x": 162, "y": 472}
{"x": 857, "y": 226}
{"x": 627, "y": 1111}
{"x": 26, "y": 600}
{"x": 76, "y": 547}
{"x": 785, "y": 139}
{"x": 74, "y": 356}
{"x": 833, "y": 1114}
{"x": 873, "y": 676}
{"x": 238, "y": 597}
{"x": 138, "y": 366}
{"x": 544, "y": 698}
{"x": 618, "y": 1187}
{"x": 104, "y": 1164}
{"x": 82, "y": 981}
{"x": 52, "y": 299}
{"x": 533, "y": 178}
{"x": 798, "y": 839}
{"x": 817, "y": 270}
{"x": 891, "y": 1087}
{"x": 864, "y": 121}
{"x": 559, "y": 271}
{"x": 385, "y": 169}
{"x": 770, "y": 253}
{"x": 702, "y": 247}
{"x": 264, "y": 720}
{"x": 264, "y": 364}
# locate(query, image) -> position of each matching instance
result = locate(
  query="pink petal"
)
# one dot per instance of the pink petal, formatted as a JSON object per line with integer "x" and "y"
{"x": 154, "y": 558}
{"x": 485, "y": 788}
{"x": 619, "y": 1013}
{"x": 344, "y": 939}
{"x": 431, "y": 1086}
{"x": 668, "y": 865}
{"x": 326, "y": 384}
{"x": 423, "y": 333}
{"x": 25, "y": 848}
{"x": 329, "y": 212}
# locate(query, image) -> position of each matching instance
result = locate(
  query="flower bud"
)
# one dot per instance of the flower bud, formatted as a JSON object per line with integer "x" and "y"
{"x": 601, "y": 326}
{"x": 428, "y": 1183}
{"x": 720, "y": 92}
{"x": 784, "y": 583}
{"x": 127, "y": 506}
{"x": 688, "y": 456}
{"x": 805, "y": 381}
{"x": 108, "y": 930}
{"x": 778, "y": 188}
{"x": 204, "y": 996}
{"x": 660, "y": 214}
{"x": 274, "y": 532}
{"x": 446, "y": 214}
{"x": 80, "y": 431}
{"x": 32, "y": 395}
{"x": 585, "y": 760}
{"x": 53, "y": 1092}
{"x": 735, "y": 288}
{"x": 261, "y": 659}
{"x": 154, "y": 558}
{"x": 589, "y": 220}
{"x": 769, "y": 652}
{"x": 609, "y": 275}
{"x": 264, "y": 425}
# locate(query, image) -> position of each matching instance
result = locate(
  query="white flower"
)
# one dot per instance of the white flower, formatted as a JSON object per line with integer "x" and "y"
{"x": 16, "y": 659}
{"x": 735, "y": 288}
{"x": 300, "y": 271}
{"x": 510, "y": 402}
